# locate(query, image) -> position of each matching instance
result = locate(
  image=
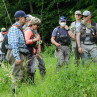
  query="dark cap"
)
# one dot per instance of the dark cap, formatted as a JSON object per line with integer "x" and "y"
{"x": 20, "y": 13}
{"x": 62, "y": 18}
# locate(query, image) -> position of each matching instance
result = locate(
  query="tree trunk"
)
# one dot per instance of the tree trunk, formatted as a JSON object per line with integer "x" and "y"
{"x": 31, "y": 8}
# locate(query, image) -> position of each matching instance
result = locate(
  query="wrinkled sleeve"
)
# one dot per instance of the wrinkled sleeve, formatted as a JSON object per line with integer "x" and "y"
{"x": 14, "y": 40}
{"x": 28, "y": 35}
{"x": 54, "y": 32}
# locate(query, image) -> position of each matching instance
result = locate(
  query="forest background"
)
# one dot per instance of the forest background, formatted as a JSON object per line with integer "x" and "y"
{"x": 73, "y": 81}
{"x": 47, "y": 10}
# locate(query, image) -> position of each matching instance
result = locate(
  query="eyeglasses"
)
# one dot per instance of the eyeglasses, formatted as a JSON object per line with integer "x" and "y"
{"x": 37, "y": 25}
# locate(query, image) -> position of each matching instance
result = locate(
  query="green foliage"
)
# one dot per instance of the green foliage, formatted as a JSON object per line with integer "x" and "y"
{"x": 48, "y": 11}
{"x": 73, "y": 81}
{"x": 49, "y": 50}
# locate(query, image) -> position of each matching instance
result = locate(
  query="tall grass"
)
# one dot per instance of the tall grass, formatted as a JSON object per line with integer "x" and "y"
{"x": 71, "y": 81}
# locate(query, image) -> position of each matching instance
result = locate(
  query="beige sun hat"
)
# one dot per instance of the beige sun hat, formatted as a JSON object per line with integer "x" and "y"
{"x": 77, "y": 12}
{"x": 34, "y": 21}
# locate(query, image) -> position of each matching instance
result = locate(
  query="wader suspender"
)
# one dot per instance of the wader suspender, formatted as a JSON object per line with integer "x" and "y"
{"x": 33, "y": 32}
{"x": 84, "y": 30}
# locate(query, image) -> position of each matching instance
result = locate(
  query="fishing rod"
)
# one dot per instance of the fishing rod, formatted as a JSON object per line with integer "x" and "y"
{"x": 7, "y": 12}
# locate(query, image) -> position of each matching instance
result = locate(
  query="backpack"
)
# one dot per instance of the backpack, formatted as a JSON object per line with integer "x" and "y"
{"x": 62, "y": 39}
{"x": 5, "y": 41}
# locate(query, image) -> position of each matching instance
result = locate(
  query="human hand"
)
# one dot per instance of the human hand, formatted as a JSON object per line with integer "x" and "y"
{"x": 36, "y": 56}
{"x": 18, "y": 62}
{"x": 80, "y": 50}
{"x": 39, "y": 50}
{"x": 66, "y": 27}
{"x": 58, "y": 45}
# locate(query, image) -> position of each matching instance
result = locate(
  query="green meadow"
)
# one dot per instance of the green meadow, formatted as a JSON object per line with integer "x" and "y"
{"x": 71, "y": 81}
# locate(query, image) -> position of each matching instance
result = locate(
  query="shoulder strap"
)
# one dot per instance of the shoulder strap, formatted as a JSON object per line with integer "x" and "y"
{"x": 18, "y": 27}
{"x": 93, "y": 24}
{"x": 82, "y": 25}
{"x": 58, "y": 29}
{"x": 34, "y": 32}
{"x": 21, "y": 31}
{"x": 73, "y": 24}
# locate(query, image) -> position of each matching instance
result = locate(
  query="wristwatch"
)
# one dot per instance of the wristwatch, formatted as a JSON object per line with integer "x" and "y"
{"x": 68, "y": 30}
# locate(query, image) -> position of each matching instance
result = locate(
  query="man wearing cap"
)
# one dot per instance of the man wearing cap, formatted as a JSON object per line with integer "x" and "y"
{"x": 16, "y": 41}
{"x": 86, "y": 38}
{"x": 74, "y": 29}
{"x": 61, "y": 39}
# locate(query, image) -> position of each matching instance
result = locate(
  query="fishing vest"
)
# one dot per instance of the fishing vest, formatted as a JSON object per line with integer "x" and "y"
{"x": 92, "y": 35}
{"x": 73, "y": 27}
{"x": 62, "y": 39}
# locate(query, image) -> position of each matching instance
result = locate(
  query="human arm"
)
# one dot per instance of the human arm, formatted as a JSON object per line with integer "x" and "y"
{"x": 13, "y": 38}
{"x": 78, "y": 43}
{"x": 36, "y": 39}
{"x": 69, "y": 32}
{"x": 39, "y": 47}
{"x": 28, "y": 35}
{"x": 53, "y": 38}
{"x": 54, "y": 42}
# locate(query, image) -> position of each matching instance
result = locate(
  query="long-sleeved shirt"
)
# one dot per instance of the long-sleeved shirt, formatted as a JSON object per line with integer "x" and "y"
{"x": 16, "y": 40}
{"x": 28, "y": 35}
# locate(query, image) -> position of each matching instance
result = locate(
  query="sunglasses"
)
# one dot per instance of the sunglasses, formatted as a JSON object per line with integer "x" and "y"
{"x": 85, "y": 16}
{"x": 37, "y": 25}
{"x": 78, "y": 14}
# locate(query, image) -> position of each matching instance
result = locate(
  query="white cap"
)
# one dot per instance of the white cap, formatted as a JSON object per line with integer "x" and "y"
{"x": 86, "y": 13}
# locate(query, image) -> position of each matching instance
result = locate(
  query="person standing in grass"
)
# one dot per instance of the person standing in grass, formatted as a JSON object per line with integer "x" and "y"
{"x": 16, "y": 58}
{"x": 87, "y": 38}
{"x": 2, "y": 33}
{"x": 61, "y": 39}
{"x": 74, "y": 28}
{"x": 32, "y": 39}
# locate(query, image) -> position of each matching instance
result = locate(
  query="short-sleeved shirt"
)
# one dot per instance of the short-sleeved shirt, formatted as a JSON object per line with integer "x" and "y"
{"x": 62, "y": 31}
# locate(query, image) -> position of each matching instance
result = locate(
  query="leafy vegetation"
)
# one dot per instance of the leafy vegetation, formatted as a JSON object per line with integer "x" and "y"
{"x": 73, "y": 81}
{"x": 47, "y": 10}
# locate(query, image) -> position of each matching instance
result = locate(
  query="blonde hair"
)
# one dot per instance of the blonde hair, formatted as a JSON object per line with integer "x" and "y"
{"x": 30, "y": 17}
{"x": 34, "y": 21}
